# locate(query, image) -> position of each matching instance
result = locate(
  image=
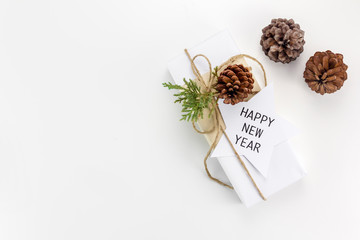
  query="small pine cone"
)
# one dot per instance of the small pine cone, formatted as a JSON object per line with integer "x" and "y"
{"x": 234, "y": 84}
{"x": 325, "y": 72}
{"x": 282, "y": 40}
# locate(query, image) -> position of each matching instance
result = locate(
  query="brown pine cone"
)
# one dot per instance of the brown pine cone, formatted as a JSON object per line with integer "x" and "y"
{"x": 325, "y": 72}
{"x": 282, "y": 40}
{"x": 234, "y": 84}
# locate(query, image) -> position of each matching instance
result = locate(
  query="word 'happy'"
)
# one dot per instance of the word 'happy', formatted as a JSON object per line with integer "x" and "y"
{"x": 262, "y": 118}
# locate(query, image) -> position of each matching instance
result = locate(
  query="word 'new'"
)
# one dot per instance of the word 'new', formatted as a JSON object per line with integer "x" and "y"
{"x": 252, "y": 130}
{"x": 262, "y": 118}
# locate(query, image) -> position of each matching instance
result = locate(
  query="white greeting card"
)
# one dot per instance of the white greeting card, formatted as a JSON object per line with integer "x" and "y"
{"x": 254, "y": 129}
{"x": 280, "y": 166}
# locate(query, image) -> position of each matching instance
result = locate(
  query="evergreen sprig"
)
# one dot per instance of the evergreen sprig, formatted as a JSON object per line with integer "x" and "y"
{"x": 192, "y": 99}
{"x": 215, "y": 72}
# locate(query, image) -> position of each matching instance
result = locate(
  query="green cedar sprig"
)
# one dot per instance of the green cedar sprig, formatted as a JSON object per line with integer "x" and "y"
{"x": 192, "y": 99}
{"x": 215, "y": 72}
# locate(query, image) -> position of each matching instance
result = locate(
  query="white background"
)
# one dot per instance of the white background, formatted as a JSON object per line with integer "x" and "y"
{"x": 90, "y": 142}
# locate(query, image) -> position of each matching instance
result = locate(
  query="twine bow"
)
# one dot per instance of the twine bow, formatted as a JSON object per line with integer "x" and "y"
{"x": 216, "y": 115}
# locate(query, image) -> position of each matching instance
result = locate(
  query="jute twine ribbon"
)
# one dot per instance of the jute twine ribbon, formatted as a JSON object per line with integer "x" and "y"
{"x": 217, "y": 127}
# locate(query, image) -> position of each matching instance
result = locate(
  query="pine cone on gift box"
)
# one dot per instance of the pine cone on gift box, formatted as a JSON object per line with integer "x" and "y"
{"x": 325, "y": 72}
{"x": 282, "y": 40}
{"x": 234, "y": 84}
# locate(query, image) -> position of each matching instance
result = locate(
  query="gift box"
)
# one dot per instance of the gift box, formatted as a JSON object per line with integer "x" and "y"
{"x": 283, "y": 168}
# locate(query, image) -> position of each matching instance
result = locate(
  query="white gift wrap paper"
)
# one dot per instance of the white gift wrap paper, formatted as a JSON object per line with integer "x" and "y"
{"x": 284, "y": 169}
